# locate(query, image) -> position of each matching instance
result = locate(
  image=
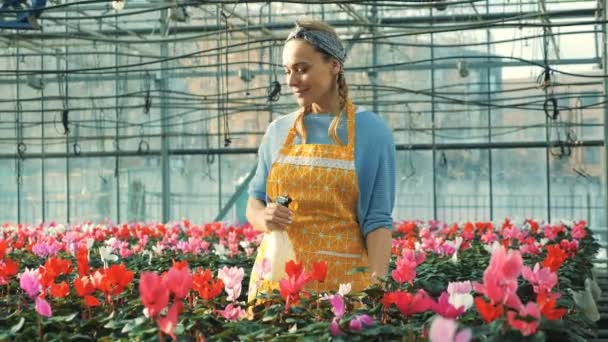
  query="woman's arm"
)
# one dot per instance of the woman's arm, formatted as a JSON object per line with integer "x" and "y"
{"x": 379, "y": 244}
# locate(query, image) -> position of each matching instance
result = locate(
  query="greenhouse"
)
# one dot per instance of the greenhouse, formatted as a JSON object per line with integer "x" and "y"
{"x": 390, "y": 170}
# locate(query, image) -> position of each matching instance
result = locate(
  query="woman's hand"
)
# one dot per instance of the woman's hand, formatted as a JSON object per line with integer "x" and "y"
{"x": 267, "y": 218}
{"x": 276, "y": 217}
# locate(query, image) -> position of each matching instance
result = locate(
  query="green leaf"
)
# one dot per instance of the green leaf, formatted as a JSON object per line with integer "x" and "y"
{"x": 132, "y": 324}
{"x": 65, "y": 318}
{"x": 15, "y": 328}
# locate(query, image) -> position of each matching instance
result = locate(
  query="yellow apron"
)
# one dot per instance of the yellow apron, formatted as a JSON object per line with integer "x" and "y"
{"x": 321, "y": 179}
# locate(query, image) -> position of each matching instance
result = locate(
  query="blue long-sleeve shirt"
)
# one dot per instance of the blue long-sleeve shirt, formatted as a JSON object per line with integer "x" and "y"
{"x": 374, "y": 161}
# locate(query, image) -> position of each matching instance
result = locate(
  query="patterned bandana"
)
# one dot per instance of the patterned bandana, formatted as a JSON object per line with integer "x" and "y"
{"x": 321, "y": 39}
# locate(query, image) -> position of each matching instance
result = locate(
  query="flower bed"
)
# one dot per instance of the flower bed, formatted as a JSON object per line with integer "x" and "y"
{"x": 180, "y": 280}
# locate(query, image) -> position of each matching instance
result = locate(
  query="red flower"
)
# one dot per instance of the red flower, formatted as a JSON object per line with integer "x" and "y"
{"x": 60, "y": 290}
{"x": 555, "y": 257}
{"x": 8, "y": 268}
{"x": 546, "y": 302}
{"x": 83, "y": 286}
{"x": 3, "y": 247}
{"x": 319, "y": 271}
{"x": 488, "y": 311}
{"x": 54, "y": 267}
{"x": 207, "y": 288}
{"x": 91, "y": 301}
{"x": 117, "y": 278}
{"x": 82, "y": 258}
{"x": 294, "y": 283}
{"x": 407, "y": 303}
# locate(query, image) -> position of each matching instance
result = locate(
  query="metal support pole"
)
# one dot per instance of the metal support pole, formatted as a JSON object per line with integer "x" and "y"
{"x": 605, "y": 69}
{"x": 433, "y": 122}
{"x": 375, "y": 72}
{"x": 19, "y": 161}
{"x": 42, "y": 149}
{"x": 164, "y": 113}
{"x": 489, "y": 100}
{"x": 117, "y": 92}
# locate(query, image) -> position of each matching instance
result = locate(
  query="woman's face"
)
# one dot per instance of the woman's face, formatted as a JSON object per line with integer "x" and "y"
{"x": 309, "y": 75}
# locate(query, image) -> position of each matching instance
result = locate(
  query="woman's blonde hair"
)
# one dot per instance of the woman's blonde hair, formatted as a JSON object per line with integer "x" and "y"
{"x": 342, "y": 87}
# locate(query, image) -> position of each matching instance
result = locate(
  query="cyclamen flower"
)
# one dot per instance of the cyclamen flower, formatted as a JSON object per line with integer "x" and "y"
{"x": 543, "y": 279}
{"x": 460, "y": 294}
{"x": 444, "y": 330}
{"x": 29, "y": 281}
{"x": 232, "y": 278}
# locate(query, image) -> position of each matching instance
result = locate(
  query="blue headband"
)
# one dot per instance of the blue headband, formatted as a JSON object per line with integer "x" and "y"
{"x": 325, "y": 41}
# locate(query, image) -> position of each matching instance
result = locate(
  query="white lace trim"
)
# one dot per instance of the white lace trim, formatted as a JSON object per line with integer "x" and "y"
{"x": 344, "y": 255}
{"x": 321, "y": 162}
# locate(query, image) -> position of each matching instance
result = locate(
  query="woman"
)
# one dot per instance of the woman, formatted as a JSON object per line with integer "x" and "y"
{"x": 335, "y": 163}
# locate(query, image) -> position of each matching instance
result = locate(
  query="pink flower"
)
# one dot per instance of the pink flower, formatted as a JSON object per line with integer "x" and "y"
{"x": 43, "y": 308}
{"x": 543, "y": 279}
{"x": 357, "y": 323}
{"x": 526, "y": 326}
{"x": 179, "y": 281}
{"x": 337, "y": 305}
{"x": 405, "y": 270}
{"x": 233, "y": 313}
{"x": 443, "y": 308}
{"x": 154, "y": 293}
{"x": 460, "y": 287}
{"x": 488, "y": 237}
{"x": 29, "y": 281}
{"x": 168, "y": 323}
{"x": 578, "y": 230}
{"x": 500, "y": 278}
{"x": 444, "y": 330}
{"x": 232, "y": 278}
{"x": 549, "y": 232}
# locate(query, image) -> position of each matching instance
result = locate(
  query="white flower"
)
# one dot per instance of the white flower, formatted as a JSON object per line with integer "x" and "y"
{"x": 244, "y": 244}
{"x": 106, "y": 255}
{"x": 543, "y": 241}
{"x": 456, "y": 245}
{"x": 491, "y": 249}
{"x": 344, "y": 289}
{"x": 220, "y": 250}
{"x": 158, "y": 249}
{"x": 461, "y": 299}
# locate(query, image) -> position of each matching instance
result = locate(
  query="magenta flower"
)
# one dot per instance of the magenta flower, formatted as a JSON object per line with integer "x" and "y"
{"x": 337, "y": 305}
{"x": 334, "y": 327}
{"x": 443, "y": 308}
{"x": 29, "y": 281}
{"x": 43, "y": 308}
{"x": 357, "y": 323}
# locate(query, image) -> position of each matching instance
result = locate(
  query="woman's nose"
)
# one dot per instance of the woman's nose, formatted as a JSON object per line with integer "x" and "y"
{"x": 293, "y": 79}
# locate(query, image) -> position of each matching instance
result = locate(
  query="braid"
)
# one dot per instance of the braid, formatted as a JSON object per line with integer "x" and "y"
{"x": 343, "y": 95}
